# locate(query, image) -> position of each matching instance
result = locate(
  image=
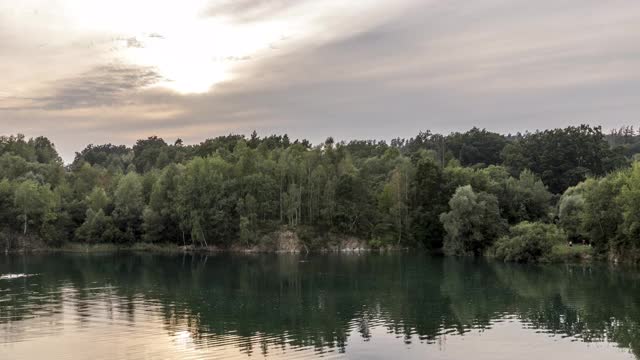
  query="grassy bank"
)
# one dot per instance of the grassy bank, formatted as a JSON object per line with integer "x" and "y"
{"x": 96, "y": 248}
{"x": 566, "y": 253}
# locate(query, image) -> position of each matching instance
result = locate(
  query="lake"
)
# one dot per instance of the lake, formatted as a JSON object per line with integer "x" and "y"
{"x": 367, "y": 306}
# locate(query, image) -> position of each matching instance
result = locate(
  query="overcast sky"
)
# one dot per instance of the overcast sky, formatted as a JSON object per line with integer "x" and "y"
{"x": 85, "y": 71}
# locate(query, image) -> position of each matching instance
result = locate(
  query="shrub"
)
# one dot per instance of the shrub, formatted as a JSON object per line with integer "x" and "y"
{"x": 529, "y": 242}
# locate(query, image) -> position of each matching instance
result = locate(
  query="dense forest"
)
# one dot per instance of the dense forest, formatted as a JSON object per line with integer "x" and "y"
{"x": 478, "y": 192}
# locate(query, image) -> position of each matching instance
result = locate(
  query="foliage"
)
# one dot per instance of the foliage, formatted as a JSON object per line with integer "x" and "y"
{"x": 629, "y": 200}
{"x": 128, "y": 205}
{"x": 429, "y": 201}
{"x": 161, "y": 217}
{"x": 563, "y": 157}
{"x": 570, "y": 214}
{"x": 454, "y": 192}
{"x": 473, "y": 222}
{"x": 574, "y": 252}
{"x": 477, "y": 147}
{"x": 35, "y": 203}
{"x": 521, "y": 199}
{"x": 98, "y": 228}
{"x": 528, "y": 242}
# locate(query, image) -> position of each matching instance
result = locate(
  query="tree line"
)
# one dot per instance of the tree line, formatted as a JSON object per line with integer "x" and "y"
{"x": 465, "y": 193}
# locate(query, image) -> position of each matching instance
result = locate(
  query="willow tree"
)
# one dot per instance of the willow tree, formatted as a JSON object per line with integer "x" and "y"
{"x": 473, "y": 222}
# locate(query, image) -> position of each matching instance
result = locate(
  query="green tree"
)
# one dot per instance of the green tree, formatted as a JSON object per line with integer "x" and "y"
{"x": 563, "y": 157}
{"x": 8, "y": 210}
{"x": 206, "y": 202}
{"x": 529, "y": 242}
{"x": 393, "y": 203}
{"x": 353, "y": 207}
{"x": 98, "y": 199}
{"x": 128, "y": 207}
{"x": 98, "y": 228}
{"x": 45, "y": 151}
{"x": 35, "y": 203}
{"x": 232, "y": 189}
{"x": 629, "y": 200}
{"x": 161, "y": 218}
{"x": 521, "y": 199}
{"x": 150, "y": 153}
{"x": 472, "y": 223}
{"x": 246, "y": 233}
{"x": 429, "y": 201}
{"x": 603, "y": 215}
{"x": 476, "y": 146}
{"x": 571, "y": 212}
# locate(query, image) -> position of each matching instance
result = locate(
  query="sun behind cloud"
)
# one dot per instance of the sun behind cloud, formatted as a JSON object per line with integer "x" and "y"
{"x": 198, "y": 53}
{"x": 191, "y": 48}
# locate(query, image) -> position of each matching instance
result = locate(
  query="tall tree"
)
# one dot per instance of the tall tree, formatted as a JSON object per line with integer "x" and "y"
{"x": 473, "y": 222}
{"x": 128, "y": 207}
{"x": 563, "y": 157}
{"x": 429, "y": 201}
{"x": 34, "y": 202}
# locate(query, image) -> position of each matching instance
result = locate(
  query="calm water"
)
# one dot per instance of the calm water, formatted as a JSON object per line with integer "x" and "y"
{"x": 128, "y": 306}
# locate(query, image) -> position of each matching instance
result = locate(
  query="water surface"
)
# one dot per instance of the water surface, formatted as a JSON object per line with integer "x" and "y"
{"x": 401, "y": 306}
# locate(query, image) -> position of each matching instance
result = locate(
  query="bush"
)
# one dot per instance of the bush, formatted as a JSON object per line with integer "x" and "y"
{"x": 529, "y": 242}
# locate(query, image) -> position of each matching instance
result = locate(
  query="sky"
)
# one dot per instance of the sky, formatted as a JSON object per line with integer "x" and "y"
{"x": 94, "y": 71}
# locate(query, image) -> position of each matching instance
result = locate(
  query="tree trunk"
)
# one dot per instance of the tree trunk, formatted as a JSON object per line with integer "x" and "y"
{"x": 310, "y": 197}
{"x": 25, "y": 224}
{"x": 399, "y": 199}
{"x": 281, "y": 186}
{"x": 204, "y": 238}
{"x": 299, "y": 220}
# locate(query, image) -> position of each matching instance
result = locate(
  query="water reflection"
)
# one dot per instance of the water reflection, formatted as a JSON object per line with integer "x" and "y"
{"x": 403, "y": 306}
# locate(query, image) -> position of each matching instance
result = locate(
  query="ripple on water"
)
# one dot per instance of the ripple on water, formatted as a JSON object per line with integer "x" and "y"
{"x": 15, "y": 276}
{"x": 151, "y": 307}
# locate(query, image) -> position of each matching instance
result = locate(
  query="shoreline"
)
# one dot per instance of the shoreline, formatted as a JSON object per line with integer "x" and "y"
{"x": 561, "y": 254}
{"x": 171, "y": 248}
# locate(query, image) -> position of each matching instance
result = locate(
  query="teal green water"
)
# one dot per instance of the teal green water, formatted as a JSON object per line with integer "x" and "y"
{"x": 400, "y": 306}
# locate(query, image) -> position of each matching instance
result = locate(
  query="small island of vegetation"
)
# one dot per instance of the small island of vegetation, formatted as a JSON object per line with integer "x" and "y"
{"x": 523, "y": 197}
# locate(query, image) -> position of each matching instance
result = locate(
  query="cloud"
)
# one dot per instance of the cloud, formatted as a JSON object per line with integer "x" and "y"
{"x": 132, "y": 42}
{"x": 106, "y": 85}
{"x": 250, "y": 10}
{"x": 377, "y": 70}
{"x": 452, "y": 65}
